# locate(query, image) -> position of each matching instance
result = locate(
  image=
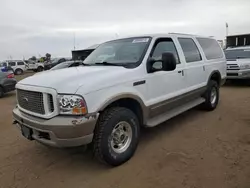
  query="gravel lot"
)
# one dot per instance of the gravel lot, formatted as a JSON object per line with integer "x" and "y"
{"x": 195, "y": 150}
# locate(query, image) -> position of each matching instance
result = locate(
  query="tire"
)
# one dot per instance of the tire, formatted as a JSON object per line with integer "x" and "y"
{"x": 212, "y": 96}
{"x": 1, "y": 92}
{"x": 18, "y": 71}
{"x": 39, "y": 69}
{"x": 105, "y": 148}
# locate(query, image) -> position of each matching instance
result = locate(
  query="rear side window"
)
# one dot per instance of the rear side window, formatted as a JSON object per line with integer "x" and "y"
{"x": 191, "y": 52}
{"x": 20, "y": 63}
{"x": 12, "y": 63}
{"x": 211, "y": 48}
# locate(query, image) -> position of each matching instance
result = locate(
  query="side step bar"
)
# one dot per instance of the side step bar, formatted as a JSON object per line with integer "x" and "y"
{"x": 174, "y": 112}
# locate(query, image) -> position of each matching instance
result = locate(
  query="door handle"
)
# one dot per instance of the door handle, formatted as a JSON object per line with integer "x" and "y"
{"x": 181, "y": 71}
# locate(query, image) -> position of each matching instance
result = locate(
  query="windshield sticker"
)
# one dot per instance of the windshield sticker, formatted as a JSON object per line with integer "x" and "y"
{"x": 140, "y": 40}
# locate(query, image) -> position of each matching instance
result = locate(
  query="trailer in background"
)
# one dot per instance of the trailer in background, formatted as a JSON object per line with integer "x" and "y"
{"x": 82, "y": 54}
{"x": 238, "y": 40}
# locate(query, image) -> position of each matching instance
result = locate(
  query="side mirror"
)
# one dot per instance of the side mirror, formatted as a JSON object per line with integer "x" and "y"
{"x": 168, "y": 61}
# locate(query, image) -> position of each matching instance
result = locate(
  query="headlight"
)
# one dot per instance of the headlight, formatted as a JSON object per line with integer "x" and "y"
{"x": 72, "y": 105}
{"x": 244, "y": 66}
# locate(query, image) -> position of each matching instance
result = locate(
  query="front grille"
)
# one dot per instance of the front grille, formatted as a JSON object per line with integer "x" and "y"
{"x": 31, "y": 101}
{"x": 233, "y": 67}
{"x": 51, "y": 104}
{"x": 232, "y": 74}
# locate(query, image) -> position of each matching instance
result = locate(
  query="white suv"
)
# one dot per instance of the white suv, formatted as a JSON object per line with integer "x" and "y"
{"x": 18, "y": 66}
{"x": 143, "y": 81}
{"x": 238, "y": 62}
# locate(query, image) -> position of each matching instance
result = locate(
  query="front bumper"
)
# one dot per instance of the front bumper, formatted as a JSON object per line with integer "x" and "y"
{"x": 238, "y": 74}
{"x": 60, "y": 131}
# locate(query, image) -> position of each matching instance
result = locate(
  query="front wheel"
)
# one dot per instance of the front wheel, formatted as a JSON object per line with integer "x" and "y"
{"x": 211, "y": 96}
{"x": 116, "y": 136}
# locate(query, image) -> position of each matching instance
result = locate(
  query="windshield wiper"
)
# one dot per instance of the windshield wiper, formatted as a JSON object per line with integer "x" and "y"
{"x": 109, "y": 64}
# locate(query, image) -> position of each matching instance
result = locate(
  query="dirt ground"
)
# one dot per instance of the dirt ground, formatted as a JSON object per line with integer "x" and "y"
{"x": 194, "y": 150}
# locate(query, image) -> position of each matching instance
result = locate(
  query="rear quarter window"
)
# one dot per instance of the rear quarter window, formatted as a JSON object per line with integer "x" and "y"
{"x": 20, "y": 63}
{"x": 211, "y": 48}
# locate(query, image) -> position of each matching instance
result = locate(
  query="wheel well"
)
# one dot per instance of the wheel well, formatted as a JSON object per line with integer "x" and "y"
{"x": 131, "y": 104}
{"x": 216, "y": 77}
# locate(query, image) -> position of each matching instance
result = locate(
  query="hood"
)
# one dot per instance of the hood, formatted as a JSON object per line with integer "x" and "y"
{"x": 68, "y": 80}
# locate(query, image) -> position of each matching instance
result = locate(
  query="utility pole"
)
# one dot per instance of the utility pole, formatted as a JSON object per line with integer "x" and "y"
{"x": 226, "y": 29}
{"x": 74, "y": 40}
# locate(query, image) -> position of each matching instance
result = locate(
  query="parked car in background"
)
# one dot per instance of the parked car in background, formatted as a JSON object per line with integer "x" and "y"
{"x": 238, "y": 62}
{"x": 5, "y": 68}
{"x": 54, "y": 62}
{"x": 18, "y": 66}
{"x": 35, "y": 66}
{"x": 7, "y": 82}
{"x": 67, "y": 64}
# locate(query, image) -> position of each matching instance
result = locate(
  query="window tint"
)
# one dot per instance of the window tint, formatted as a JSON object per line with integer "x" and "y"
{"x": 211, "y": 48}
{"x": 20, "y": 63}
{"x": 190, "y": 50}
{"x": 237, "y": 54}
{"x": 165, "y": 45}
{"x": 12, "y": 63}
{"x": 4, "y": 64}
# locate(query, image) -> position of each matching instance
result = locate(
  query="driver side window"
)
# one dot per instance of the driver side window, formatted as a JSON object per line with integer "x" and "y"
{"x": 163, "y": 46}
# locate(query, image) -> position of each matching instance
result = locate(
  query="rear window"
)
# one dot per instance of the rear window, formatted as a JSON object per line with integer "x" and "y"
{"x": 237, "y": 54}
{"x": 211, "y": 48}
{"x": 20, "y": 63}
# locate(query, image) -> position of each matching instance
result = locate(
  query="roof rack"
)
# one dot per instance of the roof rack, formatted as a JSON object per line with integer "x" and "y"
{"x": 182, "y": 34}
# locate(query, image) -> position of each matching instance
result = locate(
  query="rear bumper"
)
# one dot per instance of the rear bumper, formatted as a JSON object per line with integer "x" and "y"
{"x": 238, "y": 74}
{"x": 9, "y": 85}
{"x": 59, "y": 131}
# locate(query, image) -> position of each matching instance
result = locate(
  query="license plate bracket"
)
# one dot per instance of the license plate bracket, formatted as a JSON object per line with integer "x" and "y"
{"x": 27, "y": 132}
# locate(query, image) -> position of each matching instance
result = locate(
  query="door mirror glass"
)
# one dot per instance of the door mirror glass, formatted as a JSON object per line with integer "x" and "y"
{"x": 168, "y": 61}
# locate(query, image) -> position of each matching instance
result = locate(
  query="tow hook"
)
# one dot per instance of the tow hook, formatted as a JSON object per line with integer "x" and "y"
{"x": 15, "y": 122}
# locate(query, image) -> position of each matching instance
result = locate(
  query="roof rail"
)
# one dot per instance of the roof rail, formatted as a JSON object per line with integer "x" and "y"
{"x": 182, "y": 34}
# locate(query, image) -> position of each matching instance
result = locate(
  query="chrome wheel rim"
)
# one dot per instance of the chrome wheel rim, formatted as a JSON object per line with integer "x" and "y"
{"x": 213, "y": 96}
{"x": 121, "y": 137}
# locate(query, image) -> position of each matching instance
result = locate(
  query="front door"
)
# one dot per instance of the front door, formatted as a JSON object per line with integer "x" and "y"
{"x": 164, "y": 86}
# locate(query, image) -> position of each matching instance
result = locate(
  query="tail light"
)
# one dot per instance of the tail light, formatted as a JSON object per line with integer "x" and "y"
{"x": 10, "y": 75}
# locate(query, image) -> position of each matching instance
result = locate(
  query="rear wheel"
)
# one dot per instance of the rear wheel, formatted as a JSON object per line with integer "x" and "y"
{"x": 18, "y": 71}
{"x": 116, "y": 136}
{"x": 211, "y": 96}
{"x": 39, "y": 69}
{"x": 1, "y": 92}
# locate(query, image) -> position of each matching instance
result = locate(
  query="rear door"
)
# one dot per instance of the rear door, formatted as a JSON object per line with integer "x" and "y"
{"x": 21, "y": 65}
{"x": 195, "y": 74}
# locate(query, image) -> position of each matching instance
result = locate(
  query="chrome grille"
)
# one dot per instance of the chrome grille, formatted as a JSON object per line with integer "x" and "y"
{"x": 51, "y": 104}
{"x": 31, "y": 101}
{"x": 233, "y": 67}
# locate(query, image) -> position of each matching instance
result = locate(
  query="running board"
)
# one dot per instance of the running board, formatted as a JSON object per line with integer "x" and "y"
{"x": 176, "y": 111}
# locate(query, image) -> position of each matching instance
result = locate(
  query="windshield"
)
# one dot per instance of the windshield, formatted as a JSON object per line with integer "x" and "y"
{"x": 119, "y": 52}
{"x": 237, "y": 54}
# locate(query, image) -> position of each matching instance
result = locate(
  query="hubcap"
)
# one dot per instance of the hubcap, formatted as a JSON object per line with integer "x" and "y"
{"x": 213, "y": 96}
{"x": 121, "y": 137}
